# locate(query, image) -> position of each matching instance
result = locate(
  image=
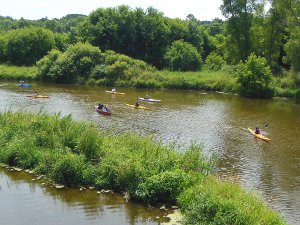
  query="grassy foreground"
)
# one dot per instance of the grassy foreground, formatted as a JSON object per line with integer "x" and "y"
{"x": 79, "y": 154}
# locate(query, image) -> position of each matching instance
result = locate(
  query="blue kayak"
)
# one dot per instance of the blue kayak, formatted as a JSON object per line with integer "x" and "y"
{"x": 24, "y": 85}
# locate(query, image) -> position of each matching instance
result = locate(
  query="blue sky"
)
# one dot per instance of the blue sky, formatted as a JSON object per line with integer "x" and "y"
{"x": 37, "y": 9}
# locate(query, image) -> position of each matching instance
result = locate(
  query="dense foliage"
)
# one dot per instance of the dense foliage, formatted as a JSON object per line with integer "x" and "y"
{"x": 254, "y": 76}
{"x": 26, "y": 46}
{"x": 137, "y": 33}
{"x": 82, "y": 63}
{"x": 214, "y": 62}
{"x": 182, "y": 56}
{"x": 79, "y": 154}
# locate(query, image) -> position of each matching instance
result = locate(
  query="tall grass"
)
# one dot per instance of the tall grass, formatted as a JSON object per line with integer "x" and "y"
{"x": 216, "y": 202}
{"x": 75, "y": 153}
{"x": 287, "y": 84}
{"x": 8, "y": 72}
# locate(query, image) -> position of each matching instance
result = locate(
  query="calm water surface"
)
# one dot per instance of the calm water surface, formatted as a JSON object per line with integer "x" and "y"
{"x": 217, "y": 121}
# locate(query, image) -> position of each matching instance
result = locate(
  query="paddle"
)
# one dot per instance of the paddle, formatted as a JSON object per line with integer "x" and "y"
{"x": 266, "y": 125}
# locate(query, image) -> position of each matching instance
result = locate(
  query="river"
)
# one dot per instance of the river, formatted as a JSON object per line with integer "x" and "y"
{"x": 217, "y": 121}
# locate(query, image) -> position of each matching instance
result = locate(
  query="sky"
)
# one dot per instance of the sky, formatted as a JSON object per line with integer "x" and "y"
{"x": 37, "y": 9}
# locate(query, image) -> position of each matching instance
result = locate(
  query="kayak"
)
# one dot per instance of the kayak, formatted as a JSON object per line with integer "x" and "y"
{"x": 37, "y": 96}
{"x": 24, "y": 85}
{"x": 260, "y": 136}
{"x": 106, "y": 113}
{"x": 115, "y": 92}
{"x": 149, "y": 99}
{"x": 138, "y": 107}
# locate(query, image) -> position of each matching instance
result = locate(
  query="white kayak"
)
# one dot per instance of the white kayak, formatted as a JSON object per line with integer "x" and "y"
{"x": 148, "y": 99}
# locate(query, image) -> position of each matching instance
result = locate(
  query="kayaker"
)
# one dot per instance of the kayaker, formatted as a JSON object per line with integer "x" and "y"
{"x": 257, "y": 130}
{"x": 147, "y": 97}
{"x": 105, "y": 109}
{"x": 113, "y": 90}
{"x": 137, "y": 104}
{"x": 100, "y": 106}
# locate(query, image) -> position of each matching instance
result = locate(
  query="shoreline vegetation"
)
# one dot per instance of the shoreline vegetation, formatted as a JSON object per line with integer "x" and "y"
{"x": 206, "y": 80}
{"x": 80, "y": 154}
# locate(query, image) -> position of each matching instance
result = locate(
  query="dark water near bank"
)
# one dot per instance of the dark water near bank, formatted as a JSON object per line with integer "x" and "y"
{"x": 218, "y": 121}
{"x": 25, "y": 200}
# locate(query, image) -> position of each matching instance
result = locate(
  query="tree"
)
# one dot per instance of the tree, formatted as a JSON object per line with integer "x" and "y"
{"x": 26, "y": 46}
{"x": 254, "y": 76}
{"x": 183, "y": 56}
{"x": 238, "y": 25}
{"x": 292, "y": 48}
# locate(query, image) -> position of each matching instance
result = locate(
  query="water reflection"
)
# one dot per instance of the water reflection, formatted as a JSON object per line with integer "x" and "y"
{"x": 24, "y": 199}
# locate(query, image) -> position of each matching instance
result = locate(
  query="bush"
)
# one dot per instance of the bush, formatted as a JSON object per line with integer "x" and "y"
{"x": 76, "y": 62}
{"x": 215, "y": 202}
{"x": 68, "y": 170}
{"x": 164, "y": 187}
{"x": 254, "y": 76}
{"x": 214, "y": 62}
{"x": 183, "y": 56}
{"x": 45, "y": 64}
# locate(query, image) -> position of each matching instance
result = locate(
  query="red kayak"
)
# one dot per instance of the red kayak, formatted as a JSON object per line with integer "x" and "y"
{"x": 106, "y": 113}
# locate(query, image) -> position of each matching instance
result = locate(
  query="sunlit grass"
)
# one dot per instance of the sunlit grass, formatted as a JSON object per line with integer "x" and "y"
{"x": 8, "y": 72}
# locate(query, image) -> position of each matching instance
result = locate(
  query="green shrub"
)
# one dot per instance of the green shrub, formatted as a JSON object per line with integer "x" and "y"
{"x": 45, "y": 64}
{"x": 164, "y": 187}
{"x": 214, "y": 62}
{"x": 215, "y": 202}
{"x": 68, "y": 170}
{"x": 21, "y": 152}
{"x": 76, "y": 62}
{"x": 183, "y": 56}
{"x": 254, "y": 76}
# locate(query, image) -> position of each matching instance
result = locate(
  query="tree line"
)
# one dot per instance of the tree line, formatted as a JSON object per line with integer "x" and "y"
{"x": 268, "y": 33}
{"x": 150, "y": 36}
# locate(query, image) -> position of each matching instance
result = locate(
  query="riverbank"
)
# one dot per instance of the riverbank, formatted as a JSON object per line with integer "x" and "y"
{"x": 222, "y": 81}
{"x": 78, "y": 154}
{"x": 17, "y": 73}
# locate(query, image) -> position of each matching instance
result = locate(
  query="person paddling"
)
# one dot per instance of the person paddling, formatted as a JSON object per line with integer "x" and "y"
{"x": 257, "y": 130}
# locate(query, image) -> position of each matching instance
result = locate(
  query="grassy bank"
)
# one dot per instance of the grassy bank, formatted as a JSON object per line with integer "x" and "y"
{"x": 284, "y": 85}
{"x": 17, "y": 73}
{"x": 79, "y": 154}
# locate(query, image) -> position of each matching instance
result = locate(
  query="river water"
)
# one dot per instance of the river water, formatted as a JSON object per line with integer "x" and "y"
{"x": 217, "y": 121}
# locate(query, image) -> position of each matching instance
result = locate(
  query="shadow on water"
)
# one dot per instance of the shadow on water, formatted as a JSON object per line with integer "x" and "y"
{"x": 27, "y": 200}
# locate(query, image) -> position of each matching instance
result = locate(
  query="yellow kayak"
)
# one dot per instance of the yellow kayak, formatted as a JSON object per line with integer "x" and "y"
{"x": 115, "y": 92}
{"x": 260, "y": 136}
{"x": 138, "y": 107}
{"x": 37, "y": 96}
